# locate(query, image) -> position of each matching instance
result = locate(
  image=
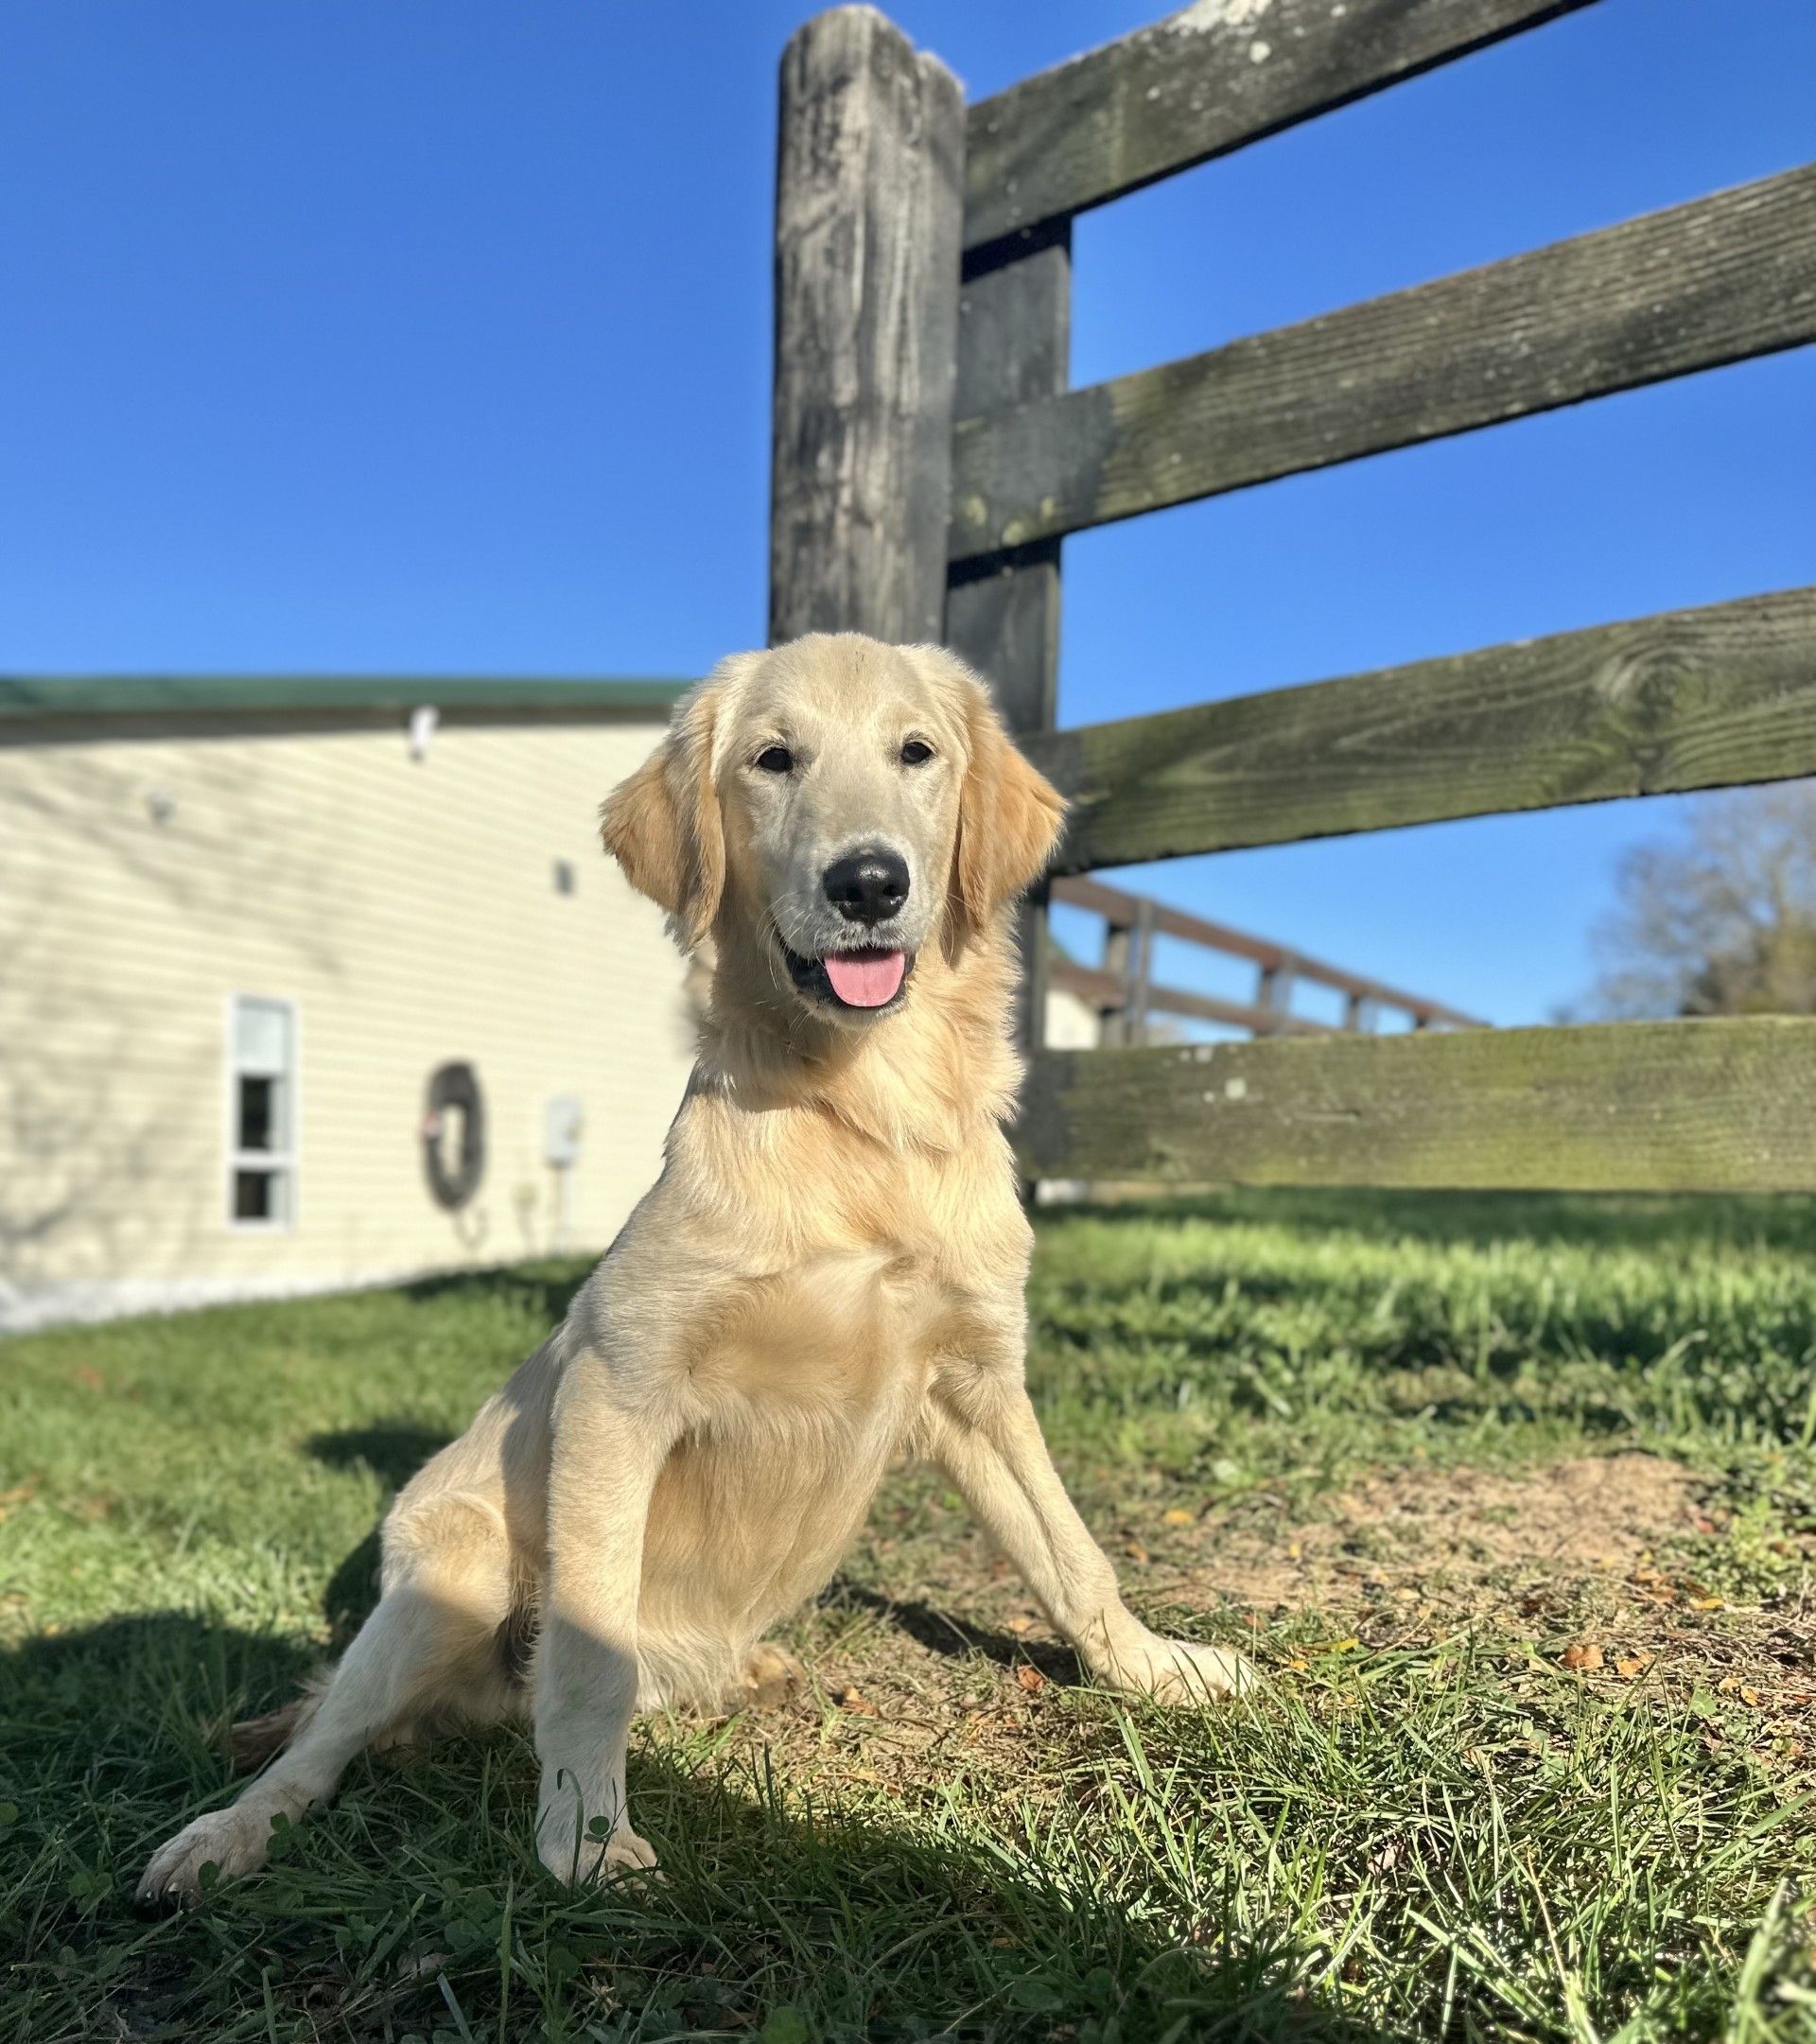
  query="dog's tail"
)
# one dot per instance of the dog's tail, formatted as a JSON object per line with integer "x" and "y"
{"x": 252, "y": 1741}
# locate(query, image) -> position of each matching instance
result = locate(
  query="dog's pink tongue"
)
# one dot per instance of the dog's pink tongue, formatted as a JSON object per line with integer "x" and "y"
{"x": 866, "y": 978}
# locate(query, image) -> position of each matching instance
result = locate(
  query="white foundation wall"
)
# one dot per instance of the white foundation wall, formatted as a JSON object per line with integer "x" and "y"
{"x": 410, "y": 910}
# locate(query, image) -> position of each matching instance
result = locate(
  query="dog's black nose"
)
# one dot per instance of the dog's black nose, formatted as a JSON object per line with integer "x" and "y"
{"x": 867, "y": 885}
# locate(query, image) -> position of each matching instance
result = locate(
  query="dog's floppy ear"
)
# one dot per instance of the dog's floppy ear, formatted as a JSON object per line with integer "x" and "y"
{"x": 663, "y": 825}
{"x": 1009, "y": 816}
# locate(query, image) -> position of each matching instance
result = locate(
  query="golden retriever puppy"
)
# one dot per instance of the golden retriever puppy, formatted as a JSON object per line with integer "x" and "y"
{"x": 826, "y": 1276}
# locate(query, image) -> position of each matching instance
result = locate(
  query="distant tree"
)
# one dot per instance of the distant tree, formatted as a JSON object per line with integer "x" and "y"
{"x": 1718, "y": 918}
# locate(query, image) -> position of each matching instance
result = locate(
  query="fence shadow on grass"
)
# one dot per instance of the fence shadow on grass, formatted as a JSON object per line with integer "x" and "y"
{"x": 115, "y": 1736}
{"x": 1655, "y": 1222}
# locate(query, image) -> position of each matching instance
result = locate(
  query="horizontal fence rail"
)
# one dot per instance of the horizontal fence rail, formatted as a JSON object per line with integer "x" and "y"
{"x": 1134, "y": 920}
{"x": 1196, "y": 85}
{"x": 1716, "y": 1105}
{"x": 1108, "y": 993}
{"x": 1690, "y": 699}
{"x": 1698, "y": 286}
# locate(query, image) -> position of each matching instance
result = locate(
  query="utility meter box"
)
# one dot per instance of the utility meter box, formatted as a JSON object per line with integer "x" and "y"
{"x": 562, "y": 1120}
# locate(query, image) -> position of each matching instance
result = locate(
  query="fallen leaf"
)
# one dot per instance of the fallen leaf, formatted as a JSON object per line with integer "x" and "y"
{"x": 857, "y": 1703}
{"x": 1583, "y": 1654}
{"x": 1705, "y": 1604}
{"x": 1629, "y": 1664}
{"x": 1179, "y": 1517}
{"x": 1030, "y": 1678}
{"x": 1341, "y": 1645}
{"x": 1019, "y": 1624}
{"x": 1134, "y": 1551}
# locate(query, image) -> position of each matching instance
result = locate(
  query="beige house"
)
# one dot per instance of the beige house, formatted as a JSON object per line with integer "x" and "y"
{"x": 315, "y": 984}
{"x": 311, "y": 984}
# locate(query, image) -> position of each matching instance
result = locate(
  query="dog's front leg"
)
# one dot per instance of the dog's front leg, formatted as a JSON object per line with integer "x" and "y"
{"x": 985, "y": 1435}
{"x": 607, "y": 1452}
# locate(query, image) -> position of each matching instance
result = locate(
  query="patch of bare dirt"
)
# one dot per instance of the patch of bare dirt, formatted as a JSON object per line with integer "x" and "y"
{"x": 943, "y": 1668}
{"x": 1451, "y": 1533}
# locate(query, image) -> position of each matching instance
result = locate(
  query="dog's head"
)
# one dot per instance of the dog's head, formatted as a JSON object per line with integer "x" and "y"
{"x": 827, "y": 810}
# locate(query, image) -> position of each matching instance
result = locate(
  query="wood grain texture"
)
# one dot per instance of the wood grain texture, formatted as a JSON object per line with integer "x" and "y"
{"x": 1708, "y": 698}
{"x": 1700, "y": 285}
{"x": 1014, "y": 344}
{"x": 869, "y": 161}
{"x": 1726, "y": 1106}
{"x": 1003, "y": 610}
{"x": 1197, "y": 84}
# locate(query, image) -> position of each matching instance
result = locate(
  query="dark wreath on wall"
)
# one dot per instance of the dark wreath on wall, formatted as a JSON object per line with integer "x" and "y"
{"x": 454, "y": 1096}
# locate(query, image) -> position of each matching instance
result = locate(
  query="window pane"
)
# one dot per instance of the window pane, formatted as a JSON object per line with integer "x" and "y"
{"x": 255, "y": 1195}
{"x": 258, "y": 1127}
{"x": 261, "y": 1035}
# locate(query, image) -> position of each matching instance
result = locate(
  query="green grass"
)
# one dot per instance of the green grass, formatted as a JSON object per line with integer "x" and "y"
{"x": 1428, "y": 1827}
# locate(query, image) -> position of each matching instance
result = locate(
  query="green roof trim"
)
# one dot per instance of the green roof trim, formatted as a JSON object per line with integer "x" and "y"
{"x": 41, "y": 697}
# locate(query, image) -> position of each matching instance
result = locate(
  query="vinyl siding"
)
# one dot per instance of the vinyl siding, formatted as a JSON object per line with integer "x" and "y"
{"x": 408, "y": 909}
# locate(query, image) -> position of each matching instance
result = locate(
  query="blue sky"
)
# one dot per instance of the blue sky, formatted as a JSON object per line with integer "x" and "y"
{"x": 424, "y": 335}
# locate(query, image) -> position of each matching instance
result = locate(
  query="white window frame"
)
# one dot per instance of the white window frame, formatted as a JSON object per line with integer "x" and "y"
{"x": 280, "y": 1163}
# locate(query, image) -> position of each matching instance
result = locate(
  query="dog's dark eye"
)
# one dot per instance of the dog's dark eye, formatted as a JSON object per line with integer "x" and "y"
{"x": 775, "y": 760}
{"x": 916, "y": 752}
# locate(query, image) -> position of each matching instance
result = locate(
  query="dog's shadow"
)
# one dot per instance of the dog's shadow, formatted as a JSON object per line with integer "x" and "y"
{"x": 940, "y": 1633}
{"x": 767, "y": 1900}
{"x": 393, "y": 1451}
{"x": 805, "y": 1904}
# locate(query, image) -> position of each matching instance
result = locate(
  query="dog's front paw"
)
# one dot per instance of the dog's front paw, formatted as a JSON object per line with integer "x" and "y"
{"x": 573, "y": 1857}
{"x": 1181, "y": 1671}
{"x": 234, "y": 1841}
{"x": 574, "y": 1862}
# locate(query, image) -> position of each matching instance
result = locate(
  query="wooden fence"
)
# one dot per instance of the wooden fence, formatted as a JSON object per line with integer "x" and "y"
{"x": 929, "y": 460}
{"x": 1124, "y": 991}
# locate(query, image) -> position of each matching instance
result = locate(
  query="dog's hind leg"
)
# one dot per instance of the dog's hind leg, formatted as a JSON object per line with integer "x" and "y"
{"x": 433, "y": 1646}
{"x": 773, "y": 1675}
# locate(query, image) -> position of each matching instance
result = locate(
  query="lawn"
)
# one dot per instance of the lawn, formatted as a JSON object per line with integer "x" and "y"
{"x": 1513, "y": 1499}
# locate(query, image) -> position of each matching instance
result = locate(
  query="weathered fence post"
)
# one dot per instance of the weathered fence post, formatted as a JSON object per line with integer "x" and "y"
{"x": 869, "y": 203}
{"x": 1118, "y": 963}
{"x": 1274, "y": 992}
{"x": 1003, "y": 610}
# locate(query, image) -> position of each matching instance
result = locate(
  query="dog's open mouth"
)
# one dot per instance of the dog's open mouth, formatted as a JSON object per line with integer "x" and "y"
{"x": 853, "y": 979}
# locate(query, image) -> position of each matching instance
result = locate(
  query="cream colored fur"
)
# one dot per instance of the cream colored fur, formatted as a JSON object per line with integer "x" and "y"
{"x": 828, "y": 1276}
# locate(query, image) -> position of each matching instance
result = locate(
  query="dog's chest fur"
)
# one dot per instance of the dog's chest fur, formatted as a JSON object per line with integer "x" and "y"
{"x": 809, "y": 1369}
{"x": 861, "y": 1277}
